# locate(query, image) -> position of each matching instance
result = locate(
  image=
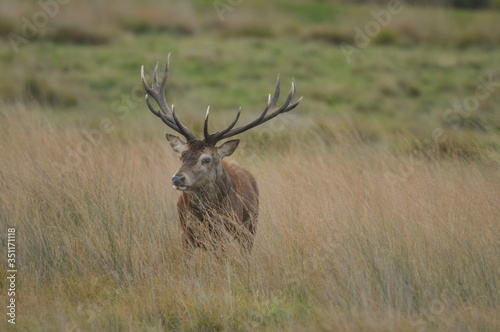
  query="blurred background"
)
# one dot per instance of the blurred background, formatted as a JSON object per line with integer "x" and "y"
{"x": 380, "y": 69}
{"x": 379, "y": 193}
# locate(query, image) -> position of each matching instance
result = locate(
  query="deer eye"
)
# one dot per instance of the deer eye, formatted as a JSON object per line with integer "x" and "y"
{"x": 206, "y": 161}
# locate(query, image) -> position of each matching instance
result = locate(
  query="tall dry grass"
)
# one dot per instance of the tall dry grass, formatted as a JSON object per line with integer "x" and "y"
{"x": 339, "y": 246}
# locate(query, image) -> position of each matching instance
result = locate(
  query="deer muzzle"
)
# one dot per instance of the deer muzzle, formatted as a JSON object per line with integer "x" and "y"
{"x": 179, "y": 181}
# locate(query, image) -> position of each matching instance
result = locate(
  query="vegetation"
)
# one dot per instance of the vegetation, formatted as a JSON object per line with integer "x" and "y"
{"x": 379, "y": 194}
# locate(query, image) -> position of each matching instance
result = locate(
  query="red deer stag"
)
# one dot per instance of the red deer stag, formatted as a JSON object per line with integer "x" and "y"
{"x": 219, "y": 200}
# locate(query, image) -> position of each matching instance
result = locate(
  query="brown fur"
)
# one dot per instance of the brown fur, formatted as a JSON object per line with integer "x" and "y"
{"x": 208, "y": 221}
{"x": 218, "y": 198}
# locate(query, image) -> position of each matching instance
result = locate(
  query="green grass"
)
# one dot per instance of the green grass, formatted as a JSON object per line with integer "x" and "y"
{"x": 390, "y": 84}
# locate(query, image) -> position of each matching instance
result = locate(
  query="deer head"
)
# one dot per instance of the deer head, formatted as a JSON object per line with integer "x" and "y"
{"x": 200, "y": 162}
{"x": 201, "y": 159}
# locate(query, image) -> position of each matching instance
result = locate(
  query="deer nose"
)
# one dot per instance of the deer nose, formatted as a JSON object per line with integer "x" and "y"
{"x": 178, "y": 179}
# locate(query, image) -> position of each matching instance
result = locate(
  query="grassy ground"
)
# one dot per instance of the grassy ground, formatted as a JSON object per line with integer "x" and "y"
{"x": 379, "y": 203}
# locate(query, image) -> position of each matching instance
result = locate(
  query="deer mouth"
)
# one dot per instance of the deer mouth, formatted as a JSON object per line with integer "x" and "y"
{"x": 181, "y": 188}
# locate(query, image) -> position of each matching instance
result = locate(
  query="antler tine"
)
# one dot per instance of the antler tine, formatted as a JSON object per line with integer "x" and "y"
{"x": 276, "y": 94}
{"x": 218, "y": 135}
{"x": 205, "y": 125}
{"x": 144, "y": 83}
{"x": 182, "y": 129}
{"x": 155, "y": 76}
{"x": 151, "y": 108}
{"x": 155, "y": 92}
{"x": 288, "y": 105}
{"x": 214, "y": 138}
{"x": 288, "y": 100}
{"x": 293, "y": 103}
{"x": 160, "y": 115}
{"x": 158, "y": 93}
{"x": 165, "y": 74}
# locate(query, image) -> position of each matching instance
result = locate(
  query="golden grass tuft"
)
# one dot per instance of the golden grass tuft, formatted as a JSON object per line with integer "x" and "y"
{"x": 346, "y": 240}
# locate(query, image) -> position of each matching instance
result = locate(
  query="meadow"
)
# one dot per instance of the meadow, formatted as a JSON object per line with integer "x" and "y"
{"x": 380, "y": 193}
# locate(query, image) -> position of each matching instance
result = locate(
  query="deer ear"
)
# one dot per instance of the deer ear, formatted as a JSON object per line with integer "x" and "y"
{"x": 227, "y": 148}
{"x": 176, "y": 143}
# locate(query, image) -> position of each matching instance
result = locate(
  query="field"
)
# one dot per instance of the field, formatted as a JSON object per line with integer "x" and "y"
{"x": 380, "y": 193}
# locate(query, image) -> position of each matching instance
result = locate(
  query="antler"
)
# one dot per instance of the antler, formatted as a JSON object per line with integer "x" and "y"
{"x": 158, "y": 93}
{"x": 288, "y": 105}
{"x": 170, "y": 119}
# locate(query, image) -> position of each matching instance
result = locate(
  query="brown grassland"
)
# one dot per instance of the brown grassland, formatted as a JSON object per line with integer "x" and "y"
{"x": 339, "y": 244}
{"x": 367, "y": 222}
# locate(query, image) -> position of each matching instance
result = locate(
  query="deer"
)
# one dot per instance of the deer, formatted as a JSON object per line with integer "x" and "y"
{"x": 219, "y": 200}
